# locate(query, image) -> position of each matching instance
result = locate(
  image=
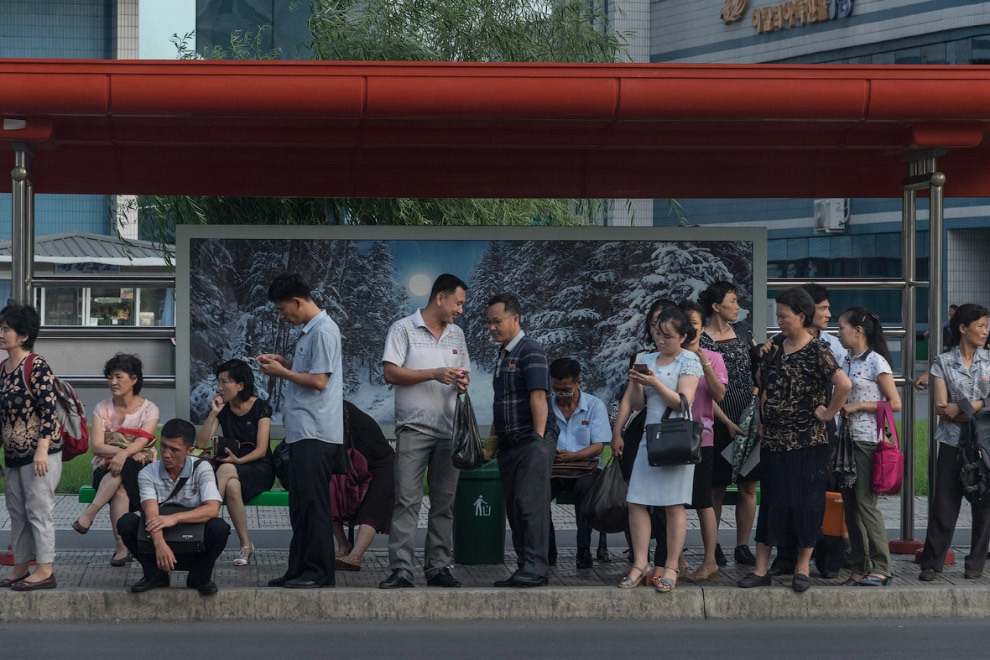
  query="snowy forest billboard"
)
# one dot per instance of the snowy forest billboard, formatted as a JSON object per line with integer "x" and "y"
{"x": 584, "y": 294}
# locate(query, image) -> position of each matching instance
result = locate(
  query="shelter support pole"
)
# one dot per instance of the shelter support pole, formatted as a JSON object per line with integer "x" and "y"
{"x": 934, "y": 310}
{"x": 909, "y": 218}
{"x": 22, "y": 219}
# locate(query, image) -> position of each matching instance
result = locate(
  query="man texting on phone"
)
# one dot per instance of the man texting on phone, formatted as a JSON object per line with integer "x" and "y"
{"x": 426, "y": 360}
{"x": 313, "y": 415}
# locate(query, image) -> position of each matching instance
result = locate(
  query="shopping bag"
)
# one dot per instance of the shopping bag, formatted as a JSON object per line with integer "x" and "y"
{"x": 604, "y": 507}
{"x": 466, "y": 451}
{"x": 843, "y": 463}
{"x": 888, "y": 461}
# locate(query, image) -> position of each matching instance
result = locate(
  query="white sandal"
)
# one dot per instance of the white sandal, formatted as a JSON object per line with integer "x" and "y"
{"x": 244, "y": 559}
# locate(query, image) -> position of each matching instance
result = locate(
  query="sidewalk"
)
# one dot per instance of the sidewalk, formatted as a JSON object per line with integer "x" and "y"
{"x": 91, "y": 590}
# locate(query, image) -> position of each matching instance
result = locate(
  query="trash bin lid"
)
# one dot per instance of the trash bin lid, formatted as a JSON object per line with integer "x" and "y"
{"x": 488, "y": 470}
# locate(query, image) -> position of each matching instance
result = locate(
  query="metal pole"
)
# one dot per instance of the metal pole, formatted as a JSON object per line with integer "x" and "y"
{"x": 934, "y": 308}
{"x": 909, "y": 219}
{"x": 22, "y": 221}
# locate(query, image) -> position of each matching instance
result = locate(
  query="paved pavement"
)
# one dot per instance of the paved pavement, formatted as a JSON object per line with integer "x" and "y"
{"x": 90, "y": 589}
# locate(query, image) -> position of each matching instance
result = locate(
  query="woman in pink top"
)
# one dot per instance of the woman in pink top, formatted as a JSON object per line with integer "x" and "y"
{"x": 115, "y": 468}
{"x": 711, "y": 388}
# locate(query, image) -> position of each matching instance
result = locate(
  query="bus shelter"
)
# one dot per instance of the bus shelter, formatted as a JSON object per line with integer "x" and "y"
{"x": 373, "y": 129}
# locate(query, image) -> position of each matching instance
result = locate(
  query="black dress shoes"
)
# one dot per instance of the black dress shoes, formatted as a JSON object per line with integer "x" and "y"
{"x": 279, "y": 581}
{"x": 526, "y": 580}
{"x": 754, "y": 580}
{"x": 744, "y": 556}
{"x": 207, "y": 588}
{"x": 395, "y": 581}
{"x": 148, "y": 583}
{"x": 444, "y": 579}
{"x": 584, "y": 558}
{"x": 302, "y": 583}
{"x": 507, "y": 582}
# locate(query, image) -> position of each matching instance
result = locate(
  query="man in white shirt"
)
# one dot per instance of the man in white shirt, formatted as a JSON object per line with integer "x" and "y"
{"x": 157, "y": 484}
{"x": 426, "y": 360}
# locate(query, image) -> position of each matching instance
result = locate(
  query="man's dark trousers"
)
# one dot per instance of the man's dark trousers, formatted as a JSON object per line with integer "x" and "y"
{"x": 311, "y": 550}
{"x": 525, "y": 464}
{"x": 578, "y": 488}
{"x": 199, "y": 564}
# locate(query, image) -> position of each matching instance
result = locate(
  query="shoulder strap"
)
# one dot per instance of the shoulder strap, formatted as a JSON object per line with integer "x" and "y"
{"x": 182, "y": 482}
{"x": 28, "y": 364}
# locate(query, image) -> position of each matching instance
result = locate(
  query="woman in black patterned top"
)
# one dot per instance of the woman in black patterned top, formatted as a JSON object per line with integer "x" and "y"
{"x": 721, "y": 306}
{"x": 32, "y": 449}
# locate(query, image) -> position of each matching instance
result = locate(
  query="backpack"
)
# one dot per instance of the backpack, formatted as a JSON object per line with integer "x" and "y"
{"x": 70, "y": 415}
{"x": 973, "y": 459}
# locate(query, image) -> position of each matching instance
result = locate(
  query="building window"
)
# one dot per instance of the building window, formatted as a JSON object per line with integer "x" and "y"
{"x": 111, "y": 306}
{"x": 106, "y": 306}
{"x": 62, "y": 306}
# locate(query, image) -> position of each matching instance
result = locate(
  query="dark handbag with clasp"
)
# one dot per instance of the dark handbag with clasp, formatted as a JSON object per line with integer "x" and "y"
{"x": 182, "y": 538}
{"x": 674, "y": 441}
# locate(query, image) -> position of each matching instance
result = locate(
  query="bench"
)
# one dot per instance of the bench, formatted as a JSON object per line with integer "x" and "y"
{"x": 267, "y": 498}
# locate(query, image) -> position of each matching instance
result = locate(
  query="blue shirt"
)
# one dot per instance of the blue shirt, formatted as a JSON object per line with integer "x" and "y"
{"x": 309, "y": 413}
{"x": 588, "y": 424}
{"x": 522, "y": 367}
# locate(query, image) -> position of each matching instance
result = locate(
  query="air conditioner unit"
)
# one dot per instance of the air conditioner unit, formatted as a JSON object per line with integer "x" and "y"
{"x": 831, "y": 215}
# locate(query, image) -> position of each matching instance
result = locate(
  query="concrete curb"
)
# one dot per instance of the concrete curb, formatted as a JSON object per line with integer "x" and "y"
{"x": 544, "y": 604}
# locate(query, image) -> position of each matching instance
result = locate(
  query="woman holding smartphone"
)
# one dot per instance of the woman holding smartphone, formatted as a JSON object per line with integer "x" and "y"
{"x": 658, "y": 381}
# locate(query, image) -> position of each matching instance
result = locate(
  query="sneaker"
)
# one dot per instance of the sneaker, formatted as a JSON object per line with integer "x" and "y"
{"x": 443, "y": 578}
{"x": 720, "y": 556}
{"x": 927, "y": 575}
{"x": 744, "y": 556}
{"x": 754, "y": 580}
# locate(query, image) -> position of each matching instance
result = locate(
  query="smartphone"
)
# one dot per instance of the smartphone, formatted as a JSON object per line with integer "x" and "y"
{"x": 641, "y": 368}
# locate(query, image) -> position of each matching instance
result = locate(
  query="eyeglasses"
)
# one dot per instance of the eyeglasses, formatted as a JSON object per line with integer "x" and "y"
{"x": 568, "y": 392}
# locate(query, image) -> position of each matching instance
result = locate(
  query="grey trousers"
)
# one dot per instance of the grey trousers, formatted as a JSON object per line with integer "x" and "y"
{"x": 31, "y": 505}
{"x": 525, "y": 468}
{"x": 867, "y": 530}
{"x": 414, "y": 452}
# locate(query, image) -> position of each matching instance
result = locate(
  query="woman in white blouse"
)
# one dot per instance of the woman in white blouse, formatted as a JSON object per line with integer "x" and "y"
{"x": 868, "y": 366}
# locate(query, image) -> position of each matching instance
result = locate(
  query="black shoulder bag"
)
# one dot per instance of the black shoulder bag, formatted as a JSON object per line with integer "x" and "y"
{"x": 973, "y": 459}
{"x": 182, "y": 538}
{"x": 674, "y": 441}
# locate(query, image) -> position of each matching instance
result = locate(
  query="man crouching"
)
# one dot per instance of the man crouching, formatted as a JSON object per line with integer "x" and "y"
{"x": 179, "y": 479}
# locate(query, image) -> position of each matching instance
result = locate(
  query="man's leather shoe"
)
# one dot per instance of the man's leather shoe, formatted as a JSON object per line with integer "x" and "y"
{"x": 207, "y": 588}
{"x": 148, "y": 583}
{"x": 302, "y": 583}
{"x": 508, "y": 582}
{"x": 24, "y": 585}
{"x": 525, "y": 580}
{"x": 279, "y": 581}
{"x": 395, "y": 581}
{"x": 443, "y": 578}
{"x": 584, "y": 558}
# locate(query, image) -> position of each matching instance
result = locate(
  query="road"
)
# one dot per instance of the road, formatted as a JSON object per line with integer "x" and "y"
{"x": 875, "y": 640}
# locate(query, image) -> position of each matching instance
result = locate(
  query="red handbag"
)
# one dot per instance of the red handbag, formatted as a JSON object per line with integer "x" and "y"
{"x": 888, "y": 461}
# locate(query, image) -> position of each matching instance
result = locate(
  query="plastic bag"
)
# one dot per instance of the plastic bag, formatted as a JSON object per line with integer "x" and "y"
{"x": 843, "y": 464}
{"x": 604, "y": 507}
{"x": 466, "y": 451}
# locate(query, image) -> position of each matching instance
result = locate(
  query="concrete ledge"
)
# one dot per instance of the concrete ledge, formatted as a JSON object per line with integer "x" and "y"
{"x": 545, "y": 604}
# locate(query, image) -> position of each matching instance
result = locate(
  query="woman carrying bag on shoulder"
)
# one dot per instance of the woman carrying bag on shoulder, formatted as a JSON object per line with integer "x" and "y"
{"x": 659, "y": 381}
{"x": 868, "y": 368}
{"x": 961, "y": 374}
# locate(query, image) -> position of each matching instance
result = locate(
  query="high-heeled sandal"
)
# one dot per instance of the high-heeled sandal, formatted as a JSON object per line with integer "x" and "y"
{"x": 244, "y": 559}
{"x": 628, "y": 582}
{"x": 665, "y": 585}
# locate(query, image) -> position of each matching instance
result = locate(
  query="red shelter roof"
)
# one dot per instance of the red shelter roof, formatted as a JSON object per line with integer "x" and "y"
{"x": 370, "y": 129}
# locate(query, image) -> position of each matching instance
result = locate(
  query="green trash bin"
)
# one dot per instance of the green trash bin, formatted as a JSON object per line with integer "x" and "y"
{"x": 479, "y": 516}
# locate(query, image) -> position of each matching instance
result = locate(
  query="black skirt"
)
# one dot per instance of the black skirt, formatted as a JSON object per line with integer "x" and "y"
{"x": 376, "y": 508}
{"x": 256, "y": 477}
{"x": 792, "y": 501}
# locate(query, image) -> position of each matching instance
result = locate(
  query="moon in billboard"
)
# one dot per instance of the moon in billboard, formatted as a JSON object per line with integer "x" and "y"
{"x": 420, "y": 285}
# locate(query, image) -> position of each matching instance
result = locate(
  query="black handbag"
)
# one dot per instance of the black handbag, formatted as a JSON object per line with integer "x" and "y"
{"x": 181, "y": 538}
{"x": 674, "y": 441}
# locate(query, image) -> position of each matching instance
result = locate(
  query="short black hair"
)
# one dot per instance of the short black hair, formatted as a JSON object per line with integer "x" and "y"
{"x": 239, "y": 372}
{"x": 180, "y": 428}
{"x": 965, "y": 315}
{"x": 24, "y": 320}
{"x": 288, "y": 286}
{"x": 446, "y": 284}
{"x": 817, "y": 292}
{"x": 799, "y": 301}
{"x": 714, "y": 295}
{"x": 562, "y": 368}
{"x": 130, "y": 364}
{"x": 953, "y": 306}
{"x": 509, "y": 300}
{"x": 679, "y": 321}
{"x": 658, "y": 305}
{"x": 691, "y": 306}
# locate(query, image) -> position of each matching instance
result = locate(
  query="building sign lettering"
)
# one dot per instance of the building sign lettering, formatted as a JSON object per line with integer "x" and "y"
{"x": 798, "y": 12}
{"x": 734, "y": 10}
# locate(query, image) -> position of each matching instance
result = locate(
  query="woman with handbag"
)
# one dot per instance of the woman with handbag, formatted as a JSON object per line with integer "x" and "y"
{"x": 868, "y": 367}
{"x": 802, "y": 387}
{"x": 122, "y": 440}
{"x": 662, "y": 380}
{"x": 961, "y": 374}
{"x": 246, "y": 470}
{"x": 32, "y": 449}
{"x": 720, "y": 306}
{"x": 711, "y": 390}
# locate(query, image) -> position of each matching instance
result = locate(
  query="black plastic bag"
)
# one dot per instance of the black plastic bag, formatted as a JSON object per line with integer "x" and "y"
{"x": 465, "y": 445}
{"x": 604, "y": 507}
{"x": 843, "y": 464}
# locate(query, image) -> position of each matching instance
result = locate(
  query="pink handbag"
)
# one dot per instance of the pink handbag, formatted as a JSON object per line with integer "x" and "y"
{"x": 888, "y": 461}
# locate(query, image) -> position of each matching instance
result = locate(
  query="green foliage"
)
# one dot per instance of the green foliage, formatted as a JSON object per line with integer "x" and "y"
{"x": 409, "y": 30}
